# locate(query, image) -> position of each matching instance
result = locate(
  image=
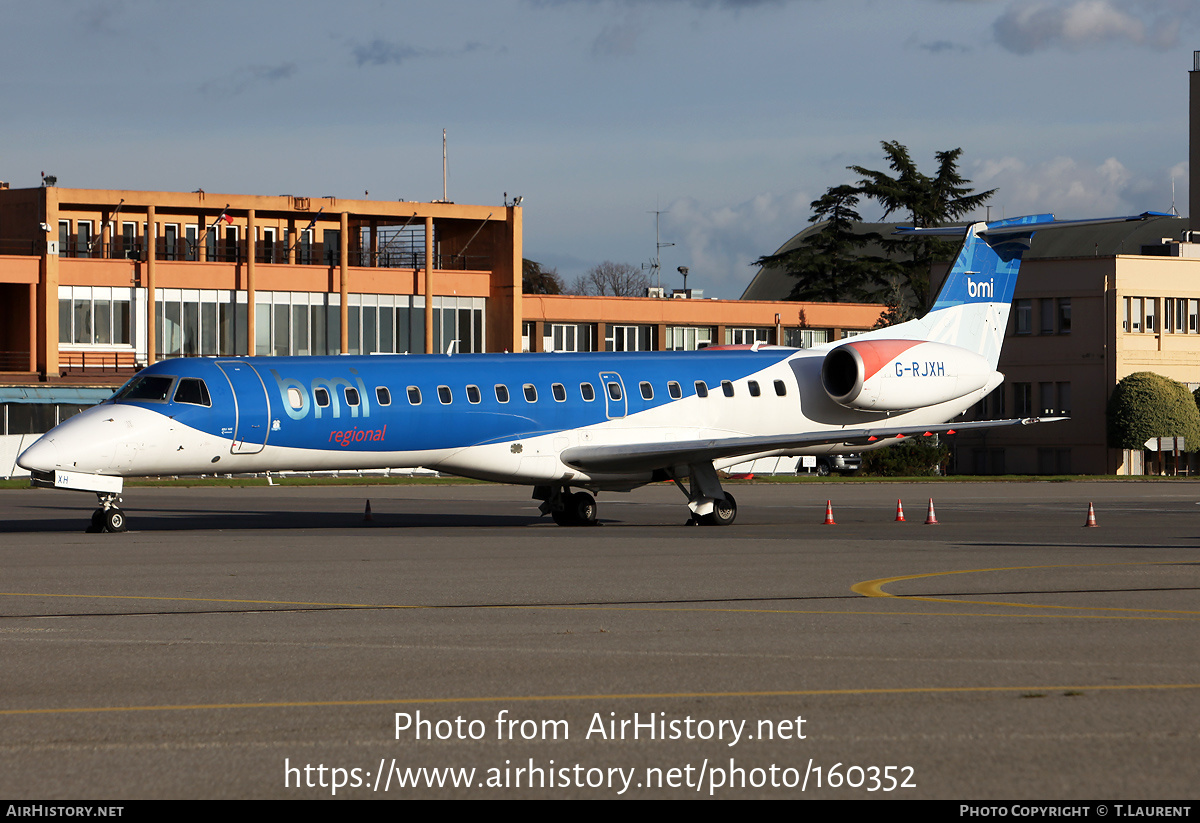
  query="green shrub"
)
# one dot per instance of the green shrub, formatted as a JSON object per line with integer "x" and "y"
{"x": 908, "y": 458}
{"x": 1145, "y": 405}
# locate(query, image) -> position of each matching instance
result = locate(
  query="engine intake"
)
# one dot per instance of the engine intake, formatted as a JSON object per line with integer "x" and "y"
{"x": 896, "y": 375}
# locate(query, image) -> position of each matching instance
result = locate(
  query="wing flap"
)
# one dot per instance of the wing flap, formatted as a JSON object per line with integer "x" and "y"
{"x": 640, "y": 457}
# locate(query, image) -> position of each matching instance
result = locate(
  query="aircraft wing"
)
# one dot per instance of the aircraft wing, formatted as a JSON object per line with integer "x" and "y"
{"x": 634, "y": 457}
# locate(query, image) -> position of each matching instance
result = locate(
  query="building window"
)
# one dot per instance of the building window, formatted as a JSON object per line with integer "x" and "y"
{"x": 688, "y": 338}
{"x": 1132, "y": 319}
{"x": 747, "y": 337}
{"x": 1151, "y": 307}
{"x": 805, "y": 338}
{"x": 94, "y": 315}
{"x": 1024, "y": 316}
{"x": 1047, "y": 324}
{"x": 1046, "y": 395}
{"x": 629, "y": 338}
{"x": 568, "y": 337}
{"x": 1022, "y": 399}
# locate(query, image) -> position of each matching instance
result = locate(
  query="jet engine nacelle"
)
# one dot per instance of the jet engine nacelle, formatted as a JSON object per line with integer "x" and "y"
{"x": 896, "y": 375}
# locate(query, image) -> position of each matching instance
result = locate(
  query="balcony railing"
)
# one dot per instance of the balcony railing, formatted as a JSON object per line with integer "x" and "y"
{"x": 14, "y": 361}
{"x": 230, "y": 251}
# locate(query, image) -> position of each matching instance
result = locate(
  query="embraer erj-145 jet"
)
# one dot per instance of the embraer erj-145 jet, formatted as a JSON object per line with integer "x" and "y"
{"x": 570, "y": 425}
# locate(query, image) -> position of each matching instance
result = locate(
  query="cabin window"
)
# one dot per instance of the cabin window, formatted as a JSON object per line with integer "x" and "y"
{"x": 322, "y": 397}
{"x": 701, "y": 388}
{"x": 294, "y": 398}
{"x": 752, "y": 385}
{"x": 727, "y": 388}
{"x": 780, "y": 388}
{"x": 674, "y": 390}
{"x": 587, "y": 391}
{"x": 445, "y": 396}
{"x": 614, "y": 391}
{"x": 192, "y": 390}
{"x": 473, "y": 394}
{"x": 559, "y": 391}
{"x": 414, "y": 395}
{"x": 383, "y": 396}
{"x": 647, "y": 390}
{"x": 351, "y": 396}
{"x": 501, "y": 393}
{"x": 530, "y": 393}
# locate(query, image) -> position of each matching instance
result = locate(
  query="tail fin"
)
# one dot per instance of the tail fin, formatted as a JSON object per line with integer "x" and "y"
{"x": 971, "y": 310}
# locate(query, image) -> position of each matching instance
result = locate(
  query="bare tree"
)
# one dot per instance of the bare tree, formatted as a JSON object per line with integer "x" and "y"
{"x": 613, "y": 279}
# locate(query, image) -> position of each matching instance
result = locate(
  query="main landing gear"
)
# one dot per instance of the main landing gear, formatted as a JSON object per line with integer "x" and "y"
{"x": 108, "y": 518}
{"x": 710, "y": 504}
{"x": 567, "y": 508}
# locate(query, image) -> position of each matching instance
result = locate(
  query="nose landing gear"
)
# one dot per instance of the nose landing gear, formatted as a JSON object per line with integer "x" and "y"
{"x": 109, "y": 517}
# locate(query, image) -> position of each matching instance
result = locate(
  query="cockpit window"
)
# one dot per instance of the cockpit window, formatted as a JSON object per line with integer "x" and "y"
{"x": 154, "y": 387}
{"x": 192, "y": 390}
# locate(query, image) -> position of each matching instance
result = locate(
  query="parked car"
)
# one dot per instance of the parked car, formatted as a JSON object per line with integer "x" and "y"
{"x": 840, "y": 463}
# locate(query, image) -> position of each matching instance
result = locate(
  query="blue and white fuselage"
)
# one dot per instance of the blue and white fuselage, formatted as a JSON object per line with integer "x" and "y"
{"x": 596, "y": 421}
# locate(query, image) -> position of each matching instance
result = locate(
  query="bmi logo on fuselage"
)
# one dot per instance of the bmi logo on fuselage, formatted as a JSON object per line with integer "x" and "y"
{"x": 298, "y": 401}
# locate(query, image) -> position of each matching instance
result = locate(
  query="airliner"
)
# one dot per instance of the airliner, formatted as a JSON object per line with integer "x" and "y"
{"x": 568, "y": 424}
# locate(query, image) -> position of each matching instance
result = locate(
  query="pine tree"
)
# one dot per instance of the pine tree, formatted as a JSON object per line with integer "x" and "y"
{"x": 828, "y": 267}
{"x": 928, "y": 201}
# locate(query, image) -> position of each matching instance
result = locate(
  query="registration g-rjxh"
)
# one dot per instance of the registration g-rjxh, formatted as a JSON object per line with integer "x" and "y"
{"x": 569, "y": 425}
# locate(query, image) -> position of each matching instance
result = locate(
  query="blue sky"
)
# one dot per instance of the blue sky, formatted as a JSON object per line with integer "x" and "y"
{"x": 730, "y": 116}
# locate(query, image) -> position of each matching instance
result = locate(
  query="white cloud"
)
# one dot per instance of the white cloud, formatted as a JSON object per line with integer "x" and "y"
{"x": 1071, "y": 189}
{"x": 720, "y": 243}
{"x": 1035, "y": 25}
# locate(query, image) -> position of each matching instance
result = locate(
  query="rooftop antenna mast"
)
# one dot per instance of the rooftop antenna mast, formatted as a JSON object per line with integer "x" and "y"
{"x": 655, "y": 268}
{"x": 445, "y": 196}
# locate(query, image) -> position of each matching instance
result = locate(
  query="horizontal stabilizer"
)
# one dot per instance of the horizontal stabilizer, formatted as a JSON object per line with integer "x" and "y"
{"x": 1023, "y": 225}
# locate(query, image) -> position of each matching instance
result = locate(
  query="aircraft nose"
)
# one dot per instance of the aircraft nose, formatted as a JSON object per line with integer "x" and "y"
{"x": 42, "y": 456}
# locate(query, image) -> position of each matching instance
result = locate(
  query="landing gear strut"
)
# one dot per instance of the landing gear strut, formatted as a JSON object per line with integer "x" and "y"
{"x": 710, "y": 504}
{"x": 567, "y": 509}
{"x": 109, "y": 517}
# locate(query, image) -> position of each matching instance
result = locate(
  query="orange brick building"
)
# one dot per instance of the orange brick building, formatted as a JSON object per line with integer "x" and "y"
{"x": 96, "y": 283}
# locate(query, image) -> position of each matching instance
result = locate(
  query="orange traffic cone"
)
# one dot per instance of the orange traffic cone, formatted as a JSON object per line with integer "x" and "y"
{"x": 899, "y": 511}
{"x": 367, "y": 513}
{"x": 829, "y": 513}
{"x": 931, "y": 518}
{"x": 1091, "y": 518}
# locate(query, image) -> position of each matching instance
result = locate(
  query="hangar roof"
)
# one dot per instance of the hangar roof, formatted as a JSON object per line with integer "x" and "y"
{"x": 1104, "y": 240}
